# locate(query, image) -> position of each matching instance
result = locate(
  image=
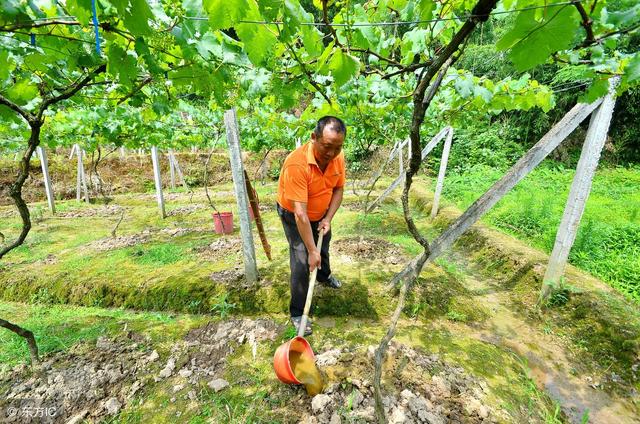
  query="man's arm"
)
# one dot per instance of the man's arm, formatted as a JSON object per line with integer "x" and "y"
{"x": 304, "y": 228}
{"x": 336, "y": 201}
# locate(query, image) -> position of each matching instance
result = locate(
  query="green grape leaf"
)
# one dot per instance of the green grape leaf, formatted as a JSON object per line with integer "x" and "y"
{"x": 632, "y": 69}
{"x": 322, "y": 60}
{"x": 8, "y": 65}
{"x": 122, "y": 64}
{"x": 413, "y": 42}
{"x": 343, "y": 67}
{"x": 598, "y": 88}
{"x": 624, "y": 18}
{"x": 258, "y": 39}
{"x": 532, "y": 41}
{"x": 269, "y": 9}
{"x": 81, "y": 9}
{"x": 209, "y": 45}
{"x": 12, "y": 11}
{"x": 293, "y": 16}
{"x": 312, "y": 40}
{"x": 464, "y": 86}
{"x": 142, "y": 49}
{"x": 22, "y": 92}
{"x": 225, "y": 13}
{"x": 137, "y": 17}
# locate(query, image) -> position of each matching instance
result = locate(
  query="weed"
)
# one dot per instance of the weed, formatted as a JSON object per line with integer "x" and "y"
{"x": 456, "y": 316}
{"x": 221, "y": 306}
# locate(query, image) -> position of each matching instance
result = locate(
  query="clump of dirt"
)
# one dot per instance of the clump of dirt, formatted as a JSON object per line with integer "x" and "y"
{"x": 50, "y": 259}
{"x": 228, "y": 276}
{"x": 102, "y": 212}
{"x": 356, "y": 205}
{"x": 8, "y": 213}
{"x": 418, "y": 388}
{"x": 357, "y": 249}
{"x": 181, "y": 231}
{"x": 203, "y": 352}
{"x": 87, "y": 383}
{"x": 222, "y": 247}
{"x": 111, "y": 243}
{"x": 185, "y": 210}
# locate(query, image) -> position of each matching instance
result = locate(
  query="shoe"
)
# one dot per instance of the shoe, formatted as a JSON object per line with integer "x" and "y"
{"x": 332, "y": 282}
{"x": 296, "y": 323}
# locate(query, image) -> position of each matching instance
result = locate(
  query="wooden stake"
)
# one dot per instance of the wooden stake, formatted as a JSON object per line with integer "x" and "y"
{"x": 47, "y": 179}
{"x": 580, "y": 189}
{"x": 158, "y": 180}
{"x": 443, "y": 170}
{"x": 235, "y": 156}
{"x": 255, "y": 207}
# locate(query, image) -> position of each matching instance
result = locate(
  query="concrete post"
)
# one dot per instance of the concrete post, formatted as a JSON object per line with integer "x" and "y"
{"x": 235, "y": 157}
{"x": 47, "y": 179}
{"x": 158, "y": 180}
{"x": 580, "y": 189}
{"x": 443, "y": 170}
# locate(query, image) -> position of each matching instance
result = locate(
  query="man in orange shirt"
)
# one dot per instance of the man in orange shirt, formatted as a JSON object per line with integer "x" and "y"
{"x": 310, "y": 192}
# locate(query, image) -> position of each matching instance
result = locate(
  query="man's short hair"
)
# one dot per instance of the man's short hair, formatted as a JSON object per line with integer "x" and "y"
{"x": 333, "y": 122}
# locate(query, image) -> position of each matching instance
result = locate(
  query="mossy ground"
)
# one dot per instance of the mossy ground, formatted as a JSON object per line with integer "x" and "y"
{"x": 167, "y": 273}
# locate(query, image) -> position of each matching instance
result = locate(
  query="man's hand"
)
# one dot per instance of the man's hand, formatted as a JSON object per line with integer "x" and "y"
{"x": 314, "y": 260}
{"x": 324, "y": 224}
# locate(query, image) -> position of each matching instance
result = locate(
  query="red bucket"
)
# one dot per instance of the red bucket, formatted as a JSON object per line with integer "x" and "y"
{"x": 221, "y": 218}
{"x": 281, "y": 362}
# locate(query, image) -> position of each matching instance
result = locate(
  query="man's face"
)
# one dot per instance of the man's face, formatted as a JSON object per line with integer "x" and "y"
{"x": 328, "y": 146}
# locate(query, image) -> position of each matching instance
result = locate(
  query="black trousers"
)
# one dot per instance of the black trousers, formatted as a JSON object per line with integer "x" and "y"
{"x": 298, "y": 260}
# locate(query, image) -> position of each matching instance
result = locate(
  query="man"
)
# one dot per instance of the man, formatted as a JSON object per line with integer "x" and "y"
{"x": 309, "y": 194}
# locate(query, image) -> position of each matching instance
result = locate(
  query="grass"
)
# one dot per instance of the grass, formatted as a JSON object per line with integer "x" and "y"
{"x": 608, "y": 240}
{"x": 58, "y": 327}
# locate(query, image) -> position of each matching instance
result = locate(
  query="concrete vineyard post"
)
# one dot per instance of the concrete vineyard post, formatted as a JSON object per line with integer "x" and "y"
{"x": 171, "y": 169}
{"x": 237, "y": 171}
{"x": 427, "y": 149}
{"x": 47, "y": 179}
{"x": 549, "y": 142}
{"x": 580, "y": 189}
{"x": 158, "y": 180}
{"x": 443, "y": 170}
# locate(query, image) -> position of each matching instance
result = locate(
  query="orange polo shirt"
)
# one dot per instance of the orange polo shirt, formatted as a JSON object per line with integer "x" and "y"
{"x": 301, "y": 180}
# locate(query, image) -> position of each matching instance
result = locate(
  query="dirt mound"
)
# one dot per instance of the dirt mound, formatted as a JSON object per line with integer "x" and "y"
{"x": 228, "y": 276}
{"x": 111, "y": 243}
{"x": 185, "y": 210}
{"x": 222, "y": 247}
{"x": 102, "y": 212}
{"x": 418, "y": 387}
{"x": 86, "y": 383}
{"x": 8, "y": 213}
{"x": 356, "y": 205}
{"x": 201, "y": 356}
{"x": 357, "y": 249}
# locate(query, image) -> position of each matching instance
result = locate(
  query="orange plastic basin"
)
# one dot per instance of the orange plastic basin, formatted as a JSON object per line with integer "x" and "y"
{"x": 281, "y": 362}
